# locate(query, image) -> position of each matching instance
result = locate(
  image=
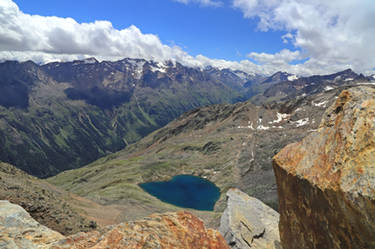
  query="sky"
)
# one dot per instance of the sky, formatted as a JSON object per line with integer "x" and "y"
{"x": 257, "y": 36}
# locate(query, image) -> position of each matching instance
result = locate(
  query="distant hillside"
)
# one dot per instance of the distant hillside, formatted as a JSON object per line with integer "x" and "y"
{"x": 62, "y": 116}
{"x": 282, "y": 85}
{"x": 231, "y": 145}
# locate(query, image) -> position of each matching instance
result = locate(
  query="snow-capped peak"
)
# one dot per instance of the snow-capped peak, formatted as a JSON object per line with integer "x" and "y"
{"x": 292, "y": 77}
{"x": 90, "y": 60}
{"x": 160, "y": 66}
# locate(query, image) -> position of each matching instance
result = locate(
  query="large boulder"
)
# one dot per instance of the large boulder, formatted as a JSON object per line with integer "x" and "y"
{"x": 249, "y": 223}
{"x": 19, "y": 231}
{"x": 180, "y": 230}
{"x": 326, "y": 182}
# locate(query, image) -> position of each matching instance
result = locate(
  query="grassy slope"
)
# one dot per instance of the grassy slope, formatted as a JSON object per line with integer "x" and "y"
{"x": 205, "y": 142}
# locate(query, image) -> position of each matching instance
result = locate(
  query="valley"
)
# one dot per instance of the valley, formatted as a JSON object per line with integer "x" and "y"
{"x": 72, "y": 113}
{"x": 230, "y": 145}
{"x": 99, "y": 137}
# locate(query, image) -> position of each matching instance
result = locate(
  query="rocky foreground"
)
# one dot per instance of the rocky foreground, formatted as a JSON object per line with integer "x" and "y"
{"x": 171, "y": 230}
{"x": 326, "y": 182}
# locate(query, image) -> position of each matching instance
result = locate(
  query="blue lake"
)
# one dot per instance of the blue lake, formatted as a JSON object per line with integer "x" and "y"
{"x": 185, "y": 191}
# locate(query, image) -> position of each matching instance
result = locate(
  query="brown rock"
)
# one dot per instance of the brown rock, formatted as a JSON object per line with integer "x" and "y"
{"x": 326, "y": 182}
{"x": 180, "y": 230}
{"x": 165, "y": 231}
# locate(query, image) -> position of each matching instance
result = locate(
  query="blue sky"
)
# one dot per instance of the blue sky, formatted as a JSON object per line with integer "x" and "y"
{"x": 216, "y": 32}
{"x": 257, "y": 36}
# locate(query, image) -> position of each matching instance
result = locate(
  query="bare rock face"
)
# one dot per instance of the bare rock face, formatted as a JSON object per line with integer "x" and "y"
{"x": 19, "y": 231}
{"x": 180, "y": 230}
{"x": 326, "y": 182}
{"x": 249, "y": 223}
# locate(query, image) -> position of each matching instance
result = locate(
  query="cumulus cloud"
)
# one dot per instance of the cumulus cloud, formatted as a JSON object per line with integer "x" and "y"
{"x": 333, "y": 34}
{"x": 332, "y": 38}
{"x": 285, "y": 56}
{"x": 202, "y": 2}
{"x": 20, "y": 32}
{"x": 45, "y": 39}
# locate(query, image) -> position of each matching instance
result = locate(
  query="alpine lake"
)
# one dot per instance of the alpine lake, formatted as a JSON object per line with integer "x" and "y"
{"x": 185, "y": 191}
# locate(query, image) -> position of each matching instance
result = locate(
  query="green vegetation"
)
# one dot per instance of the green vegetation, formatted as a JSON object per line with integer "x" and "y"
{"x": 53, "y": 132}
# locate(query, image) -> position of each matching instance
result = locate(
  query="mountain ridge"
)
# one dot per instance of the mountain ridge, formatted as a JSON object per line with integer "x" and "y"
{"x": 64, "y": 115}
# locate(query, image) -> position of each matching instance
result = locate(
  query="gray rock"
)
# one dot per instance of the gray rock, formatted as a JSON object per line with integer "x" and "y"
{"x": 19, "y": 231}
{"x": 249, "y": 223}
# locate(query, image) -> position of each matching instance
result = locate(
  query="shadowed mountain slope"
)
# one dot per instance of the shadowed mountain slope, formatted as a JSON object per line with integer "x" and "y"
{"x": 61, "y": 116}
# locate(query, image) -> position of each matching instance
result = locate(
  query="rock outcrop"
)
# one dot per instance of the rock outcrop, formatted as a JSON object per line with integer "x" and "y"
{"x": 249, "y": 223}
{"x": 47, "y": 204}
{"x": 326, "y": 182}
{"x": 180, "y": 230}
{"x": 19, "y": 231}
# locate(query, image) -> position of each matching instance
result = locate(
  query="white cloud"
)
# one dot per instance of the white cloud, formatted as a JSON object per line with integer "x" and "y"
{"x": 44, "y": 39}
{"x": 20, "y": 32}
{"x": 282, "y": 58}
{"x": 334, "y": 34}
{"x": 202, "y": 2}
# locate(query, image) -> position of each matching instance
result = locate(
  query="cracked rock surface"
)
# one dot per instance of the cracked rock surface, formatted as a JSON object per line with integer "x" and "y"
{"x": 326, "y": 182}
{"x": 180, "y": 230}
{"x": 249, "y": 223}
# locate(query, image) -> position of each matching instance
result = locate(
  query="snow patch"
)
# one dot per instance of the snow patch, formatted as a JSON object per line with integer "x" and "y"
{"x": 301, "y": 122}
{"x": 161, "y": 67}
{"x": 367, "y": 83}
{"x": 137, "y": 66}
{"x": 90, "y": 61}
{"x": 246, "y": 127}
{"x": 321, "y": 104}
{"x": 328, "y": 88}
{"x": 261, "y": 127}
{"x": 348, "y": 79}
{"x": 241, "y": 75}
{"x": 280, "y": 117}
{"x": 292, "y": 77}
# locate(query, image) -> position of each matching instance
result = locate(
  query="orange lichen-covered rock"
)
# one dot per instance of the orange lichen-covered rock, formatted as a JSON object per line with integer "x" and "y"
{"x": 180, "y": 230}
{"x": 326, "y": 182}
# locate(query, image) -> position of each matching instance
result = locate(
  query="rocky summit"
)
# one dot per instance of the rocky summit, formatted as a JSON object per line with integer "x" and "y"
{"x": 326, "y": 182}
{"x": 249, "y": 223}
{"x": 19, "y": 230}
{"x": 180, "y": 230}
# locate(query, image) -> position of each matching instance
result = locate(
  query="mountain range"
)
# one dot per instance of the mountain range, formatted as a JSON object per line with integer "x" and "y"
{"x": 97, "y": 130}
{"x": 61, "y": 116}
{"x": 64, "y": 115}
